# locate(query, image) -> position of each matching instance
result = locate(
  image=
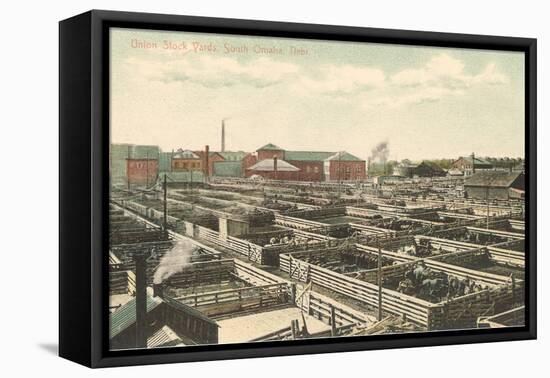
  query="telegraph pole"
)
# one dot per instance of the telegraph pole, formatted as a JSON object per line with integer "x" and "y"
{"x": 165, "y": 221}
{"x": 487, "y": 201}
{"x": 379, "y": 282}
{"x": 140, "y": 260}
{"x": 339, "y": 178}
{"x": 147, "y": 169}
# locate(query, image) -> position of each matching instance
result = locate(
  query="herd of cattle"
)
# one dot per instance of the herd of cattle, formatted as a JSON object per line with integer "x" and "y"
{"x": 423, "y": 282}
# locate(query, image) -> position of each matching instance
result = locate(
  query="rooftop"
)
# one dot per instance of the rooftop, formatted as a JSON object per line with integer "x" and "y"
{"x": 185, "y": 154}
{"x": 307, "y": 155}
{"x": 343, "y": 156}
{"x": 233, "y": 155}
{"x": 502, "y": 179}
{"x": 125, "y": 316}
{"x": 478, "y": 161}
{"x": 267, "y": 165}
{"x": 270, "y": 146}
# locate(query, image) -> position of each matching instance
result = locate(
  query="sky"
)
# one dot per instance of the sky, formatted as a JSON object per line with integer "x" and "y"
{"x": 172, "y": 89}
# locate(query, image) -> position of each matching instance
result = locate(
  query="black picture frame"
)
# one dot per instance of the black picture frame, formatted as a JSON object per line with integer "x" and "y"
{"x": 84, "y": 191}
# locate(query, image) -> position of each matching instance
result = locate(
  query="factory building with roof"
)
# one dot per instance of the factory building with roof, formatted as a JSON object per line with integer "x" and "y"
{"x": 144, "y": 165}
{"x": 491, "y": 185}
{"x": 470, "y": 164}
{"x": 275, "y": 162}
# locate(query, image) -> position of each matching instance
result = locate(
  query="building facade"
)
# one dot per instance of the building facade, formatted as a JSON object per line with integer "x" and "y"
{"x": 274, "y": 169}
{"x": 142, "y": 172}
{"x": 343, "y": 166}
{"x": 315, "y": 165}
{"x": 213, "y": 158}
{"x": 234, "y": 163}
{"x": 120, "y": 153}
{"x": 186, "y": 160}
{"x": 469, "y": 165}
{"x": 493, "y": 185}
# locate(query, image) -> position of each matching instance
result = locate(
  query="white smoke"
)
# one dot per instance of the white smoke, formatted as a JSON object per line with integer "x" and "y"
{"x": 174, "y": 260}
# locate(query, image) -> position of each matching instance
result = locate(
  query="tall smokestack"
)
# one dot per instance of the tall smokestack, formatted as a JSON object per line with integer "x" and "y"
{"x": 223, "y": 135}
{"x": 473, "y": 163}
{"x": 275, "y": 166}
{"x": 141, "y": 300}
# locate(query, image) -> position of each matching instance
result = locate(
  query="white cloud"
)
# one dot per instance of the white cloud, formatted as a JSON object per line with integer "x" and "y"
{"x": 445, "y": 70}
{"x": 215, "y": 72}
{"x": 334, "y": 79}
{"x": 441, "y": 76}
{"x": 490, "y": 75}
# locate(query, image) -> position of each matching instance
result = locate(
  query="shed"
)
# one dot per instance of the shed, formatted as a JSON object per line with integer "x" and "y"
{"x": 494, "y": 185}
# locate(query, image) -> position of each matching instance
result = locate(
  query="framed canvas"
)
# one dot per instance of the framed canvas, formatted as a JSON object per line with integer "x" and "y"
{"x": 234, "y": 188}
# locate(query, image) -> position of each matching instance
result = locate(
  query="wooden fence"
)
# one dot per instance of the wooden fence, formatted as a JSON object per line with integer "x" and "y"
{"x": 457, "y": 312}
{"x": 221, "y": 302}
{"x": 416, "y": 310}
{"x": 202, "y": 273}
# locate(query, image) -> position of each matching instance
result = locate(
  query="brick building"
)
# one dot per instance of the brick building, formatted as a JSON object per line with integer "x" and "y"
{"x": 470, "y": 164}
{"x": 141, "y": 172}
{"x": 118, "y": 159}
{"x": 343, "y": 166}
{"x": 186, "y": 160}
{"x": 310, "y": 165}
{"x": 213, "y": 158}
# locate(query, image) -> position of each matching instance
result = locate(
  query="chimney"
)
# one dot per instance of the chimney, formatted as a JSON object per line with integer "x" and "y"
{"x": 158, "y": 290}
{"x": 141, "y": 300}
{"x": 206, "y": 161}
{"x": 223, "y": 135}
{"x": 275, "y": 166}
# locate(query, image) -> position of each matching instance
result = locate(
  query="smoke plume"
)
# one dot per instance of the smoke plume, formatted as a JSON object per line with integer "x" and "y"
{"x": 174, "y": 260}
{"x": 381, "y": 152}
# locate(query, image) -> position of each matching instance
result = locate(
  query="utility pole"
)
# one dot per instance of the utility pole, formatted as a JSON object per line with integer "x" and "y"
{"x": 165, "y": 220}
{"x": 379, "y": 282}
{"x": 128, "y": 157}
{"x": 488, "y": 182}
{"x": 339, "y": 178}
{"x": 487, "y": 202}
{"x": 141, "y": 299}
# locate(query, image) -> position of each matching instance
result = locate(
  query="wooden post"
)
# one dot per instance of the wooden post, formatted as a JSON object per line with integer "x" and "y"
{"x": 333, "y": 330}
{"x": 165, "y": 217}
{"x": 293, "y": 292}
{"x": 293, "y": 329}
{"x": 379, "y": 282}
{"x": 141, "y": 300}
{"x": 513, "y": 288}
{"x": 147, "y": 169}
{"x": 487, "y": 200}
